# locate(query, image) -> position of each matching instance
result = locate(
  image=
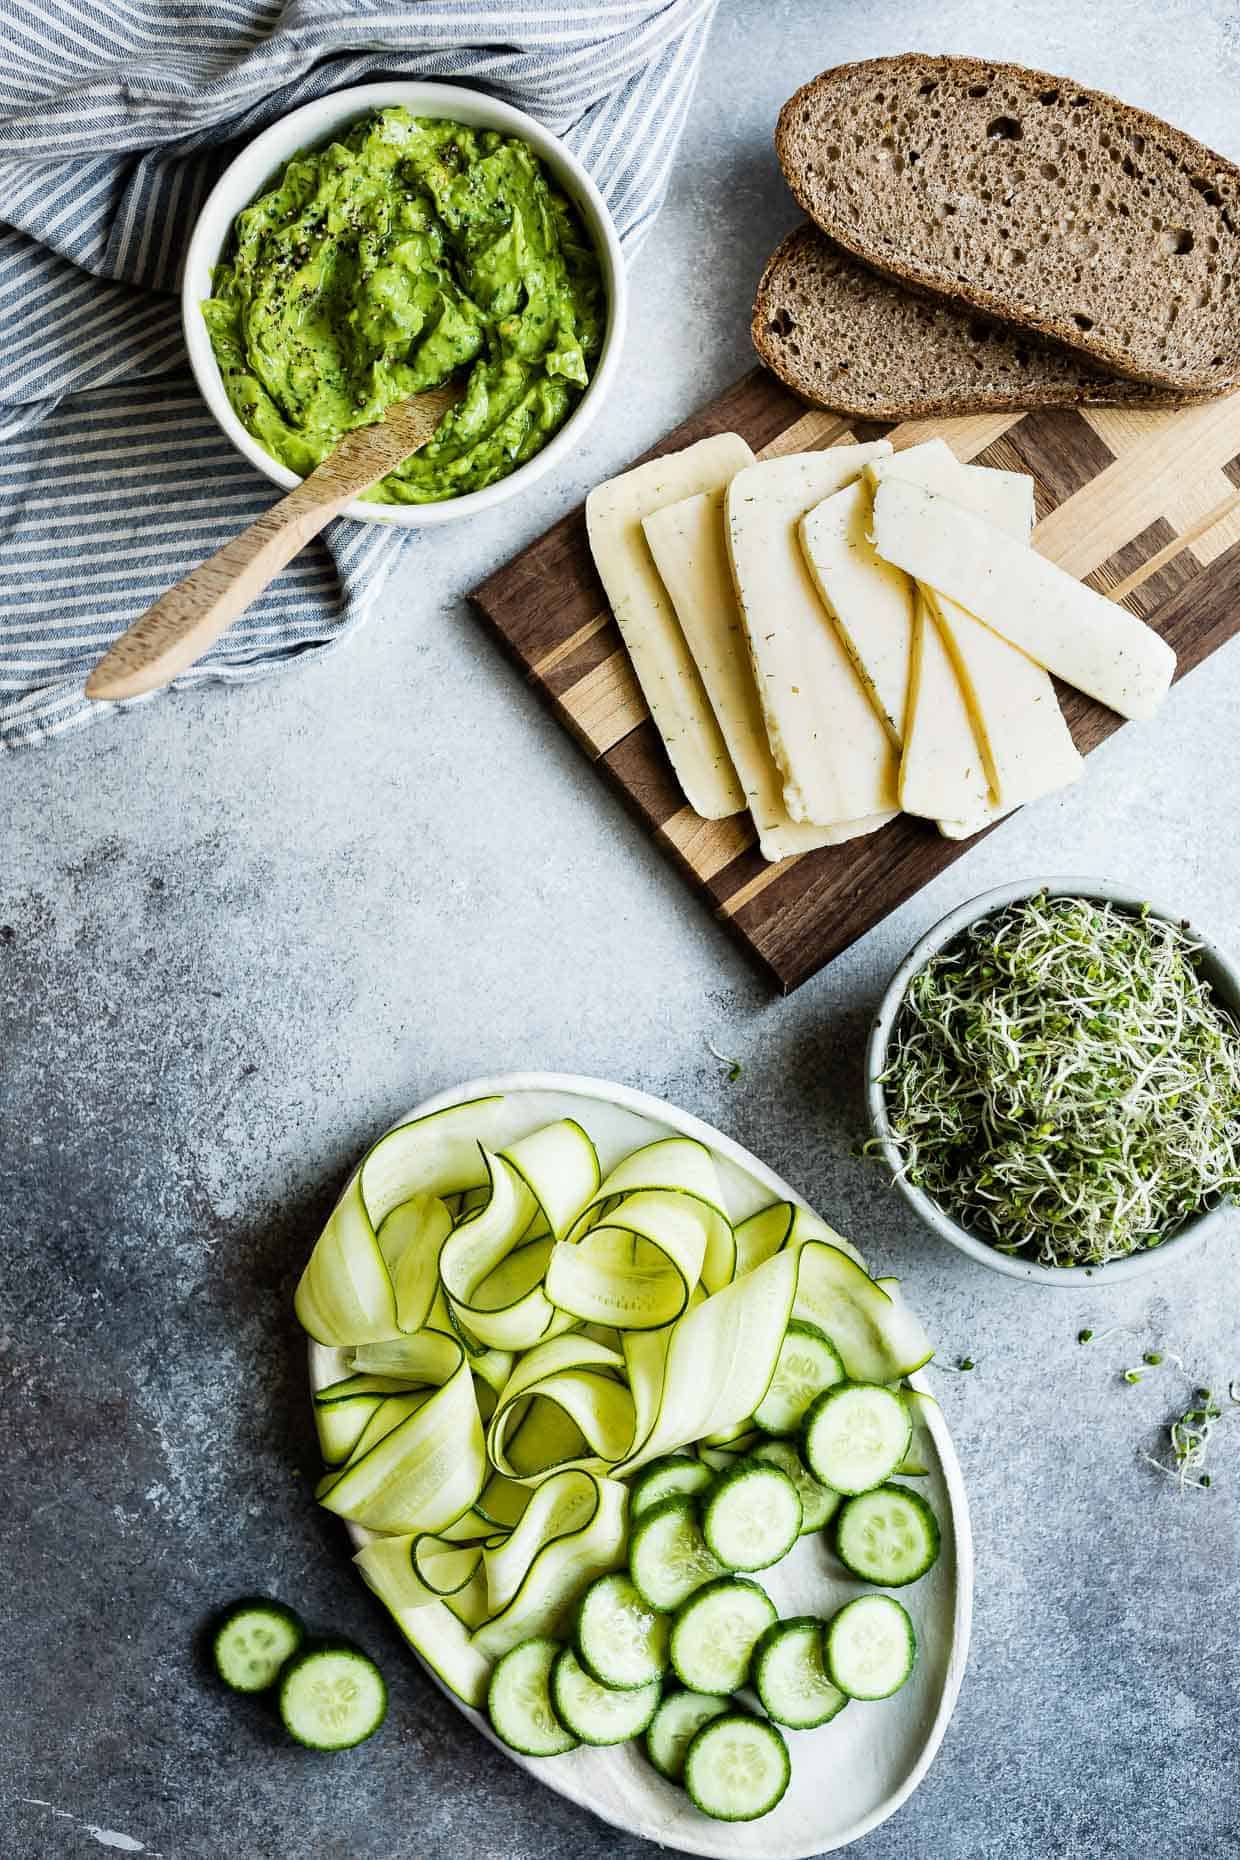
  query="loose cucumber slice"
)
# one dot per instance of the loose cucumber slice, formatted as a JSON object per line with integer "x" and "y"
{"x": 806, "y": 1365}
{"x": 668, "y": 1557}
{"x": 790, "y": 1678}
{"x": 870, "y": 1647}
{"x": 818, "y": 1502}
{"x": 621, "y": 1641}
{"x": 676, "y": 1723}
{"x": 519, "y": 1700}
{"x": 737, "y": 1767}
{"x": 252, "y": 1641}
{"x": 752, "y": 1517}
{"x": 662, "y": 1478}
{"x": 889, "y": 1536}
{"x": 855, "y": 1435}
{"x": 332, "y": 1698}
{"x": 716, "y": 1631}
{"x": 597, "y": 1714}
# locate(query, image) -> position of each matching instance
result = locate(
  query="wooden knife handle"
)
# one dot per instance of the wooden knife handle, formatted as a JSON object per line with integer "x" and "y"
{"x": 190, "y": 617}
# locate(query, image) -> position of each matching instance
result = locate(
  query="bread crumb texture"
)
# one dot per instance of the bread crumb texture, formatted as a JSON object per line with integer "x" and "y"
{"x": 841, "y": 336}
{"x": 1031, "y": 197}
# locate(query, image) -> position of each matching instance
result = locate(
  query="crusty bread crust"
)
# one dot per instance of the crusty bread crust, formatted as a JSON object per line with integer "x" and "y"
{"x": 842, "y": 337}
{"x": 1034, "y": 199}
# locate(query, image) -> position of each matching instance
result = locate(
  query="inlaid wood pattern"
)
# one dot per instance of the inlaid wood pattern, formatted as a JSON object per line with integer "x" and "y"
{"x": 1144, "y": 506}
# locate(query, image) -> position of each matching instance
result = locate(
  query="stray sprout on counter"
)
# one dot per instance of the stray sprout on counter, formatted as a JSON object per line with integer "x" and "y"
{"x": 1063, "y": 1082}
{"x": 734, "y": 1066}
{"x": 1189, "y": 1434}
{"x": 1188, "y": 1437}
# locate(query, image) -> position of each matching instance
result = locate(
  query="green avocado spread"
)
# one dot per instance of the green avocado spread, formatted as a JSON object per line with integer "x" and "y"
{"x": 383, "y": 264}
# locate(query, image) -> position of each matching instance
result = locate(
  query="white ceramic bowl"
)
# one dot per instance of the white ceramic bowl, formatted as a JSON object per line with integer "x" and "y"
{"x": 259, "y": 163}
{"x": 1219, "y": 970}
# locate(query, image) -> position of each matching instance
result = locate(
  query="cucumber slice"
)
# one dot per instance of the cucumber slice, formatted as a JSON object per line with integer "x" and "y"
{"x": 818, "y": 1502}
{"x": 855, "y": 1435}
{"x": 519, "y": 1700}
{"x": 332, "y": 1698}
{"x": 716, "y": 1632}
{"x": 719, "y": 1459}
{"x": 806, "y": 1365}
{"x": 597, "y": 1714}
{"x": 870, "y": 1647}
{"x": 740, "y": 1431}
{"x": 621, "y": 1641}
{"x": 737, "y": 1767}
{"x": 662, "y": 1478}
{"x": 752, "y": 1517}
{"x": 889, "y": 1536}
{"x": 676, "y": 1723}
{"x": 916, "y": 1462}
{"x": 252, "y": 1641}
{"x": 668, "y": 1557}
{"x": 790, "y": 1678}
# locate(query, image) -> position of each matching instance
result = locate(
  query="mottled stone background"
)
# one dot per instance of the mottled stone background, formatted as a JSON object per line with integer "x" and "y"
{"x": 244, "y": 930}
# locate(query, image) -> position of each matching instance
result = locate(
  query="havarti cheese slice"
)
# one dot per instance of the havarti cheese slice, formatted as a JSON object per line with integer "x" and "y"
{"x": 837, "y": 761}
{"x": 661, "y": 659}
{"x": 689, "y": 548}
{"x": 1092, "y": 643}
{"x": 1014, "y": 719}
{"x": 942, "y": 775}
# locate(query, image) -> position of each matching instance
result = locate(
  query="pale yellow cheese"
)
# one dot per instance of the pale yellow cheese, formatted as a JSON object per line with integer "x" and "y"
{"x": 1015, "y": 720}
{"x": 870, "y": 601}
{"x": 664, "y": 666}
{"x": 1092, "y": 643}
{"x": 837, "y": 761}
{"x": 690, "y": 552}
{"x": 942, "y": 775}
{"x": 1026, "y": 745}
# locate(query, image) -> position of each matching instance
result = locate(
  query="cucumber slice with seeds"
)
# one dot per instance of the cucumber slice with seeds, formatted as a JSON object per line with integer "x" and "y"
{"x": 519, "y": 1700}
{"x": 676, "y": 1723}
{"x": 252, "y": 1641}
{"x": 716, "y": 1631}
{"x": 737, "y": 1767}
{"x": 332, "y": 1698}
{"x": 790, "y": 1678}
{"x": 676, "y": 1473}
{"x": 752, "y": 1517}
{"x": 889, "y": 1536}
{"x": 807, "y": 1364}
{"x": 870, "y": 1647}
{"x": 818, "y": 1502}
{"x": 855, "y": 1435}
{"x": 668, "y": 1557}
{"x": 621, "y": 1641}
{"x": 597, "y": 1714}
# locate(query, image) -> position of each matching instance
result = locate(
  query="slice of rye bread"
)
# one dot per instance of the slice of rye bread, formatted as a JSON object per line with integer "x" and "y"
{"x": 841, "y": 336}
{"x": 1032, "y": 198}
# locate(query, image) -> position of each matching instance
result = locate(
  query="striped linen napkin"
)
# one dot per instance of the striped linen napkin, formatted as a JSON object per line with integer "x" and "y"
{"x": 116, "y": 116}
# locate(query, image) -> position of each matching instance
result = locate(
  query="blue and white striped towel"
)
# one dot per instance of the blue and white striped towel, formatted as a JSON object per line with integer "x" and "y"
{"x": 115, "y": 118}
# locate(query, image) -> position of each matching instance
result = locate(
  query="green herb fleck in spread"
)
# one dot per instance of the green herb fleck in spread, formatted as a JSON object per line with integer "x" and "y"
{"x": 385, "y": 263}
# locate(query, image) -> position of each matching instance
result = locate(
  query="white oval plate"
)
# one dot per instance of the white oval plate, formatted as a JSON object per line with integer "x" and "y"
{"x": 851, "y": 1774}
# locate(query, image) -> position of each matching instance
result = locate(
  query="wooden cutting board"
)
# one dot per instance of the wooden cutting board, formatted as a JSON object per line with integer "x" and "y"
{"x": 1145, "y": 507}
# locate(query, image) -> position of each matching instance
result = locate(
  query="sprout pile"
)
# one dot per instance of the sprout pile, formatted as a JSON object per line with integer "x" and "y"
{"x": 1062, "y": 1081}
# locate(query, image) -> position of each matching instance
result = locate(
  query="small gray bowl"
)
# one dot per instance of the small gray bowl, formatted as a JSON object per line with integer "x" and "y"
{"x": 1220, "y": 971}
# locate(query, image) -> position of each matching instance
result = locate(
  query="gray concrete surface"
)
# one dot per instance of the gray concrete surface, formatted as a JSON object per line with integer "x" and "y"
{"x": 244, "y": 930}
